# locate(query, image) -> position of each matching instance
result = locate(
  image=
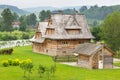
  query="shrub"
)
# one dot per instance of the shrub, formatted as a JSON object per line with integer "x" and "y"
{"x": 26, "y": 66}
{"x": 6, "y": 51}
{"x": 5, "y": 63}
{"x": 41, "y": 70}
{"x": 15, "y": 62}
{"x": 25, "y": 36}
{"x": 10, "y": 61}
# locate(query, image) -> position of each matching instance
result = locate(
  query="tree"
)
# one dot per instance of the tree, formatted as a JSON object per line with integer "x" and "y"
{"x": 23, "y": 24}
{"x": 44, "y": 15}
{"x": 83, "y": 8}
{"x": 111, "y": 30}
{"x": 96, "y": 31}
{"x": 7, "y": 19}
{"x": 16, "y": 16}
{"x": 32, "y": 19}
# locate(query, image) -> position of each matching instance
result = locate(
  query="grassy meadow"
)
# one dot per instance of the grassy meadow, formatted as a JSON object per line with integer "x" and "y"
{"x": 63, "y": 72}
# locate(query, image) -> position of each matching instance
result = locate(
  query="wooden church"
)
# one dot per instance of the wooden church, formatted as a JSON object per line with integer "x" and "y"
{"x": 61, "y": 34}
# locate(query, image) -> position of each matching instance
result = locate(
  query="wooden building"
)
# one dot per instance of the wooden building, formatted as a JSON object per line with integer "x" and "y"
{"x": 61, "y": 34}
{"x": 94, "y": 56}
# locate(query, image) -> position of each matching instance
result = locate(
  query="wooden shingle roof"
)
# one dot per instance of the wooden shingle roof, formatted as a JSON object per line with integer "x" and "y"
{"x": 90, "y": 48}
{"x": 61, "y": 22}
{"x": 87, "y": 48}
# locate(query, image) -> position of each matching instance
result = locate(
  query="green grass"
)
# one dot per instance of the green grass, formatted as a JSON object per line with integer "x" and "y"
{"x": 63, "y": 72}
{"x": 117, "y": 64}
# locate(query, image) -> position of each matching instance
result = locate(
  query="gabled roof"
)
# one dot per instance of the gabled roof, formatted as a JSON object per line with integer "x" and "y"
{"x": 61, "y": 22}
{"x": 89, "y": 48}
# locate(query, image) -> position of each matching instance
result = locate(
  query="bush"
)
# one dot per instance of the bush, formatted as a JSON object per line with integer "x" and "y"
{"x": 5, "y": 63}
{"x": 25, "y": 36}
{"x": 10, "y": 61}
{"x": 26, "y": 66}
{"x": 6, "y": 51}
{"x": 15, "y": 62}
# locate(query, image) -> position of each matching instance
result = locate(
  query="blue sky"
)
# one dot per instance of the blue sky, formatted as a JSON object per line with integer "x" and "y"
{"x": 58, "y": 3}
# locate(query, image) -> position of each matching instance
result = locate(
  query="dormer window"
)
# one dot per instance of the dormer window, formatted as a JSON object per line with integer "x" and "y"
{"x": 73, "y": 31}
{"x": 49, "y": 22}
{"x": 50, "y": 31}
{"x": 38, "y": 35}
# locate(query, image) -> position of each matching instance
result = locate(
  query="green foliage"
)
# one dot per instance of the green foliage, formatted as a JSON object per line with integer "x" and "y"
{"x": 41, "y": 70}
{"x": 117, "y": 64}
{"x": 5, "y": 63}
{"x": 15, "y": 35}
{"x": 23, "y": 20}
{"x": 7, "y": 51}
{"x": 26, "y": 66}
{"x": 16, "y": 16}
{"x": 83, "y": 8}
{"x": 111, "y": 30}
{"x": 49, "y": 72}
{"x": 10, "y": 61}
{"x": 99, "y": 13}
{"x": 7, "y": 20}
{"x": 8, "y": 37}
{"x": 15, "y": 62}
{"x": 96, "y": 32}
{"x": 25, "y": 36}
{"x": 31, "y": 19}
{"x": 44, "y": 15}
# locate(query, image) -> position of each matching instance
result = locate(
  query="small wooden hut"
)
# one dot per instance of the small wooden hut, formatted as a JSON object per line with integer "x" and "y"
{"x": 94, "y": 56}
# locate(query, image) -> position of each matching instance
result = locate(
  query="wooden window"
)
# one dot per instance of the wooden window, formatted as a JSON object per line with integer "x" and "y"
{"x": 65, "y": 43}
{"x": 50, "y": 31}
{"x": 73, "y": 32}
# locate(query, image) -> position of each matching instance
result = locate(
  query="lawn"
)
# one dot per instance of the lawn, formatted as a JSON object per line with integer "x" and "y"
{"x": 63, "y": 72}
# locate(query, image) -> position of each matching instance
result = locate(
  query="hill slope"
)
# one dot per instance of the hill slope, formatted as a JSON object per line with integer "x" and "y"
{"x": 13, "y": 9}
{"x": 100, "y": 13}
{"x": 38, "y": 9}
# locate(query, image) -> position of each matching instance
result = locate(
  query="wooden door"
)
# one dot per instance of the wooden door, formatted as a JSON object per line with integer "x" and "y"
{"x": 108, "y": 61}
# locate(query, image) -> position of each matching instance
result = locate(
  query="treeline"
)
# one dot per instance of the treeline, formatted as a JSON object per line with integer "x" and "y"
{"x": 109, "y": 31}
{"x": 8, "y": 17}
{"x": 99, "y": 13}
{"x": 26, "y": 21}
{"x": 94, "y": 12}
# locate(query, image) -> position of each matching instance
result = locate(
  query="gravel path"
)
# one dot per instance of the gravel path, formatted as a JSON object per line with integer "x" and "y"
{"x": 75, "y": 63}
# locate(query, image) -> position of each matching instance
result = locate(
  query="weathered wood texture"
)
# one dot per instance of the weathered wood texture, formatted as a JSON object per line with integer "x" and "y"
{"x": 57, "y": 47}
{"x": 100, "y": 57}
{"x": 83, "y": 61}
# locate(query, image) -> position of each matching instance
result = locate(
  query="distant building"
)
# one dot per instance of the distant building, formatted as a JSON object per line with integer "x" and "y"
{"x": 16, "y": 24}
{"x": 94, "y": 56}
{"x": 61, "y": 34}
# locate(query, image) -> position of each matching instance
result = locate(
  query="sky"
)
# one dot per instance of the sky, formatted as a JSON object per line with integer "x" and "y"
{"x": 58, "y": 3}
